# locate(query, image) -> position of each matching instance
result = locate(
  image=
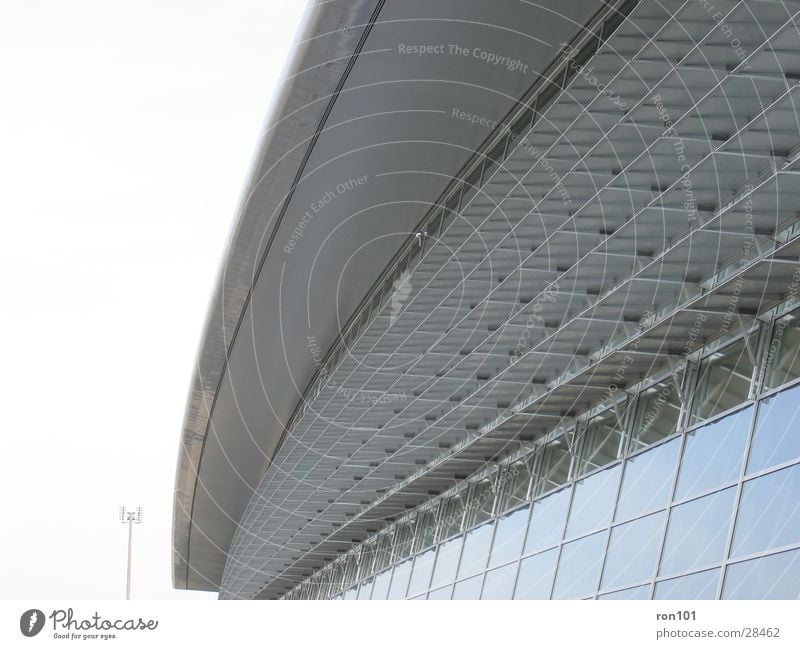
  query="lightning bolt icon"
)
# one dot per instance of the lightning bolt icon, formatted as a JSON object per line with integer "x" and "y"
{"x": 32, "y": 620}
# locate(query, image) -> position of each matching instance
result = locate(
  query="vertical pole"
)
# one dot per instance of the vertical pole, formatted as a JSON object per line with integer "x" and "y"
{"x": 130, "y": 544}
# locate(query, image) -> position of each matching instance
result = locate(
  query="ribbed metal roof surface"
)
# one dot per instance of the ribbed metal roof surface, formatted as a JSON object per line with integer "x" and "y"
{"x": 354, "y": 106}
{"x": 632, "y": 224}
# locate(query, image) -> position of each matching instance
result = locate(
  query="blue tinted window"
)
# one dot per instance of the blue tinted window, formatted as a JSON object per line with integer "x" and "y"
{"x": 402, "y": 571}
{"x": 647, "y": 483}
{"x": 536, "y": 576}
{"x": 776, "y": 576}
{"x": 499, "y": 584}
{"x": 481, "y": 499}
{"x": 381, "y": 588}
{"x": 515, "y": 487}
{"x": 633, "y": 551}
{"x": 547, "y": 521}
{"x": 700, "y": 585}
{"x": 657, "y": 411}
{"x": 476, "y": 550}
{"x": 783, "y": 358}
{"x": 425, "y": 529}
{"x": 441, "y": 593}
{"x": 713, "y": 454}
{"x": 447, "y": 562}
{"x": 697, "y": 532}
{"x": 769, "y": 512}
{"x": 468, "y": 589}
{"x": 639, "y": 592}
{"x": 579, "y": 567}
{"x": 366, "y": 589}
{"x": 777, "y": 435}
{"x": 601, "y": 443}
{"x": 508, "y": 538}
{"x": 593, "y": 502}
{"x": 453, "y": 513}
{"x": 723, "y": 381}
{"x": 421, "y": 573}
{"x": 556, "y": 461}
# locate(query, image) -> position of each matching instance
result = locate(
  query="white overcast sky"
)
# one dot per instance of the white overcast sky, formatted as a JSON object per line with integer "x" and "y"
{"x": 127, "y": 130}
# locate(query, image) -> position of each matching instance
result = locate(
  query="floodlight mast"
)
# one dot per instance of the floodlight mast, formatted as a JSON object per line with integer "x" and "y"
{"x": 130, "y": 517}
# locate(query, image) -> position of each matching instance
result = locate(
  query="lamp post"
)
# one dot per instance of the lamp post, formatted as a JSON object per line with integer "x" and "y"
{"x": 130, "y": 517}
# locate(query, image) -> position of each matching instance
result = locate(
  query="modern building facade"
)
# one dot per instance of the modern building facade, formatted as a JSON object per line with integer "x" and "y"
{"x": 510, "y": 311}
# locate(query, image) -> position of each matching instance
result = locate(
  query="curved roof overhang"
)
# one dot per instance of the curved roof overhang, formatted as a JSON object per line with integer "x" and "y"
{"x": 362, "y": 141}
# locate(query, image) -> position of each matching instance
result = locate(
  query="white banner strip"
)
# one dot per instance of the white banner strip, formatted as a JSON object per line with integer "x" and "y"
{"x": 399, "y": 624}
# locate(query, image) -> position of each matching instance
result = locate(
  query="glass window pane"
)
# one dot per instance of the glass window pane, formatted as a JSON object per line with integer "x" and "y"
{"x": 402, "y": 571}
{"x": 381, "y": 588}
{"x": 647, "y": 482}
{"x": 403, "y": 536}
{"x": 447, "y": 562}
{"x": 713, "y": 454}
{"x": 723, "y": 381}
{"x": 777, "y": 433}
{"x": 351, "y": 568}
{"x": 499, "y": 584}
{"x": 536, "y": 576}
{"x": 421, "y": 573}
{"x": 425, "y": 530}
{"x": 441, "y": 593}
{"x": 476, "y": 551}
{"x": 579, "y": 567}
{"x": 332, "y": 579}
{"x": 633, "y": 551}
{"x": 601, "y": 442}
{"x": 639, "y": 592}
{"x": 769, "y": 513}
{"x": 657, "y": 410}
{"x": 783, "y": 357}
{"x": 481, "y": 502}
{"x": 776, "y": 576}
{"x": 352, "y": 593}
{"x": 515, "y": 485}
{"x": 453, "y": 515}
{"x": 338, "y": 579}
{"x": 556, "y": 459}
{"x": 700, "y": 585}
{"x": 323, "y": 584}
{"x": 366, "y": 561}
{"x": 697, "y": 532}
{"x": 508, "y": 539}
{"x": 383, "y": 552}
{"x": 468, "y": 589}
{"x": 366, "y": 589}
{"x": 547, "y": 521}
{"x": 593, "y": 502}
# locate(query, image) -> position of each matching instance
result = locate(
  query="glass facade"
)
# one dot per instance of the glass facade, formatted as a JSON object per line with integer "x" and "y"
{"x": 688, "y": 492}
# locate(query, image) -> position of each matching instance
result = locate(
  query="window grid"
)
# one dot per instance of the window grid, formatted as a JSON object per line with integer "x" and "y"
{"x": 338, "y": 587}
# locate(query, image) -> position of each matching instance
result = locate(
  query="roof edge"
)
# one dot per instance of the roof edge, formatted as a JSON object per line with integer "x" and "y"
{"x": 283, "y": 130}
